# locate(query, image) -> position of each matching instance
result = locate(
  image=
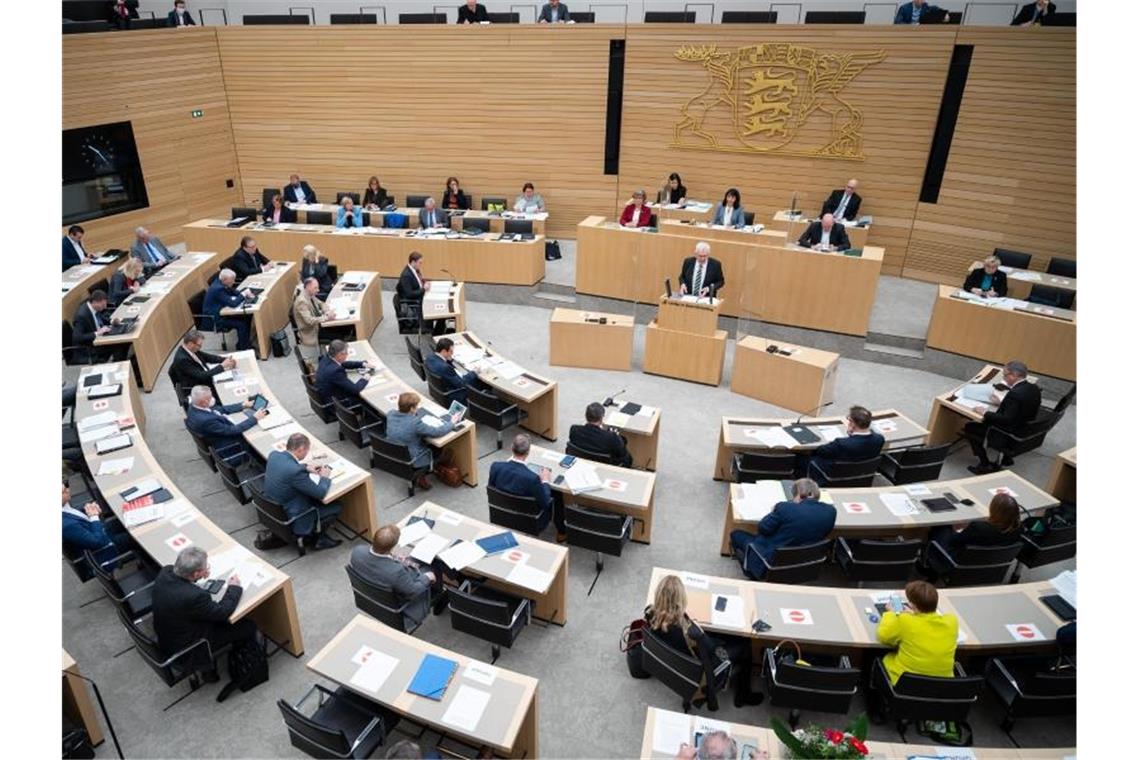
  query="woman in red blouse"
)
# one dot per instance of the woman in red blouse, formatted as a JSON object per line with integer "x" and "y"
{"x": 636, "y": 214}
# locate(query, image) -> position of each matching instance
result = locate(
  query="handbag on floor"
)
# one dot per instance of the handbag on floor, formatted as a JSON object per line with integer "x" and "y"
{"x": 631, "y": 639}
{"x": 553, "y": 250}
{"x": 447, "y": 471}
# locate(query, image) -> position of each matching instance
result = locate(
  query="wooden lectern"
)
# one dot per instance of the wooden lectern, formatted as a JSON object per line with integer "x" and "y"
{"x": 684, "y": 341}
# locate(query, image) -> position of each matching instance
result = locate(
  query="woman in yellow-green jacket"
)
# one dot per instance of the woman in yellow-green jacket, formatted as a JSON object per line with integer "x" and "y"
{"x": 924, "y": 640}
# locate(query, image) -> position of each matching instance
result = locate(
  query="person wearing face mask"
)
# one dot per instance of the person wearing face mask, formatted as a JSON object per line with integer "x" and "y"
{"x": 179, "y": 16}
{"x": 453, "y": 196}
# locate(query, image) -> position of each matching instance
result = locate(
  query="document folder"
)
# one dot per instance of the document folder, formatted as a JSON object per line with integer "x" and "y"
{"x": 433, "y": 677}
{"x": 499, "y": 542}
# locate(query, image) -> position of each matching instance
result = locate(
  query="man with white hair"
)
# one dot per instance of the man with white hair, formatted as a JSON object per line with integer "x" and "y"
{"x": 150, "y": 251}
{"x": 1016, "y": 409}
{"x": 221, "y": 295}
{"x": 716, "y": 745}
{"x": 843, "y": 203}
{"x": 432, "y": 217}
{"x": 185, "y": 613}
{"x": 825, "y": 235}
{"x": 209, "y": 422}
{"x": 701, "y": 275}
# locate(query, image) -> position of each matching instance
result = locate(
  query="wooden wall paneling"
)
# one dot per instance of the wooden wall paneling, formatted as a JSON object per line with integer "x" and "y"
{"x": 494, "y": 106}
{"x": 185, "y": 161}
{"x": 1011, "y": 174}
{"x": 898, "y": 97}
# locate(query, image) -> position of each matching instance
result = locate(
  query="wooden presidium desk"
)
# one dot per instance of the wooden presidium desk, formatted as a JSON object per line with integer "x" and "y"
{"x": 1000, "y": 329}
{"x": 793, "y": 377}
{"x": 991, "y": 619}
{"x": 359, "y": 309}
{"x": 1021, "y": 281}
{"x": 795, "y": 226}
{"x": 665, "y": 731}
{"x": 271, "y": 310}
{"x": 479, "y": 258}
{"x": 950, "y": 411}
{"x": 535, "y": 569}
{"x": 352, "y": 486}
{"x": 267, "y": 598}
{"x": 535, "y": 395}
{"x": 756, "y": 434}
{"x": 579, "y": 339}
{"x": 497, "y": 219}
{"x": 382, "y": 393}
{"x": 162, "y": 313}
{"x": 502, "y": 715}
{"x": 863, "y": 512}
{"x": 766, "y": 277}
{"x": 684, "y": 341}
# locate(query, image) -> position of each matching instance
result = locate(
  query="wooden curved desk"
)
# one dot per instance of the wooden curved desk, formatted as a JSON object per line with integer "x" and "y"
{"x": 352, "y": 487}
{"x": 741, "y": 434}
{"x": 77, "y": 279}
{"x": 862, "y": 512}
{"x": 363, "y": 310}
{"x": 271, "y": 310}
{"x": 1063, "y": 476}
{"x": 949, "y": 412}
{"x": 268, "y": 601}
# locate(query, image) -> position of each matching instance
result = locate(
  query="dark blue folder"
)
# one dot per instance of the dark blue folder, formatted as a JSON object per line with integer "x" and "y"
{"x": 432, "y": 678}
{"x": 499, "y": 542}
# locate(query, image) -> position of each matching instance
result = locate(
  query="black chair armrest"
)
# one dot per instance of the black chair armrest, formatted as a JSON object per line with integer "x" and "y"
{"x": 186, "y": 650}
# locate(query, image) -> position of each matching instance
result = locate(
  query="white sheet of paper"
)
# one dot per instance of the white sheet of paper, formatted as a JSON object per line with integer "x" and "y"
{"x": 618, "y": 418}
{"x": 429, "y": 546}
{"x": 670, "y": 731}
{"x": 979, "y": 392}
{"x": 508, "y": 370}
{"x": 529, "y": 577}
{"x": 646, "y": 411}
{"x": 374, "y": 672}
{"x": 187, "y": 516}
{"x": 899, "y": 504}
{"x": 552, "y": 456}
{"x": 462, "y": 554}
{"x": 830, "y": 433}
{"x": 481, "y": 672}
{"x": 96, "y": 420}
{"x": 449, "y": 517}
{"x": 693, "y": 580}
{"x": 98, "y": 434}
{"x": 733, "y": 614}
{"x": 775, "y": 437}
{"x": 116, "y": 466}
{"x": 1066, "y": 585}
{"x": 286, "y": 430}
{"x": 466, "y": 708}
{"x": 1026, "y": 276}
{"x": 917, "y": 489}
{"x": 409, "y": 534}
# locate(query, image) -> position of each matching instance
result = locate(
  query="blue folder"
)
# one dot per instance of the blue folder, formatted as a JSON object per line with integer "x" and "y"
{"x": 499, "y": 542}
{"x": 432, "y": 678}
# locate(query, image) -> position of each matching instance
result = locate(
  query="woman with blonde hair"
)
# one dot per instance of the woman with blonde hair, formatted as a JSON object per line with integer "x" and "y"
{"x": 313, "y": 264}
{"x": 126, "y": 281}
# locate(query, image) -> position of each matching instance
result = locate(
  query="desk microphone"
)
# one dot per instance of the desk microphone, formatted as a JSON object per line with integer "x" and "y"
{"x": 610, "y": 399}
{"x": 487, "y": 349}
{"x": 712, "y": 294}
{"x": 813, "y": 411}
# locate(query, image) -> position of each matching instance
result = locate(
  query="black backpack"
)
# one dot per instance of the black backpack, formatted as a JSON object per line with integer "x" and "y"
{"x": 249, "y": 666}
{"x": 279, "y": 342}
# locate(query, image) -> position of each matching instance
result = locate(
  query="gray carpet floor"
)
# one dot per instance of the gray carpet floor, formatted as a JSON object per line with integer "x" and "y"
{"x": 588, "y": 705}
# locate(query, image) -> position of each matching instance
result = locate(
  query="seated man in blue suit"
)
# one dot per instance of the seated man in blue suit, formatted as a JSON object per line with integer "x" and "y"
{"x": 514, "y": 477}
{"x": 74, "y": 253}
{"x": 288, "y": 483}
{"x": 332, "y": 375}
{"x": 220, "y": 295}
{"x": 803, "y": 520}
{"x": 211, "y": 424}
{"x": 920, "y": 12}
{"x": 860, "y": 443}
{"x": 440, "y": 364}
{"x": 82, "y": 529}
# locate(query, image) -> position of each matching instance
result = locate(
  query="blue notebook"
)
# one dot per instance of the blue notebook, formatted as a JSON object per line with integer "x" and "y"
{"x": 499, "y": 542}
{"x": 432, "y": 678}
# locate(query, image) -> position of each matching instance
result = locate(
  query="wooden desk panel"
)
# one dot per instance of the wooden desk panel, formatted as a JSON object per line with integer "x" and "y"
{"x": 574, "y": 342}
{"x": 271, "y": 311}
{"x": 455, "y": 306}
{"x": 377, "y": 218}
{"x": 367, "y": 305}
{"x": 640, "y": 431}
{"x": 1048, "y": 345}
{"x": 684, "y": 355}
{"x": 795, "y": 228}
{"x": 706, "y": 231}
{"x": 77, "y": 703}
{"x": 802, "y": 382}
{"x": 77, "y": 279}
{"x": 1063, "y": 476}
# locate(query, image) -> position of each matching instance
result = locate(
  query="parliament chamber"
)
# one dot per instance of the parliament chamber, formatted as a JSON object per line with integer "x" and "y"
{"x": 650, "y": 321}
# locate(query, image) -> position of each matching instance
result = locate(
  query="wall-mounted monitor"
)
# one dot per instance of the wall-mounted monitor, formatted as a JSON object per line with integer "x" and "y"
{"x": 101, "y": 172}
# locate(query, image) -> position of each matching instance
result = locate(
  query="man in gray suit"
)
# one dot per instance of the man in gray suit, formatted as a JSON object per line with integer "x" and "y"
{"x": 409, "y": 425}
{"x": 288, "y": 483}
{"x": 554, "y": 12}
{"x": 150, "y": 251}
{"x": 430, "y": 216}
{"x": 376, "y": 564}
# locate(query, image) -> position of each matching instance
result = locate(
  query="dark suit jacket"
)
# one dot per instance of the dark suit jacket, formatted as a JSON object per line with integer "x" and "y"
{"x": 443, "y": 369}
{"x": 216, "y": 429}
{"x": 189, "y": 372}
{"x": 119, "y": 289}
{"x": 836, "y": 197}
{"x": 132, "y": 10}
{"x": 1027, "y": 11}
{"x": 714, "y": 275}
{"x": 287, "y": 483}
{"x": 409, "y": 288}
{"x": 905, "y": 13}
{"x": 83, "y": 327}
{"x": 516, "y": 478}
{"x": 70, "y": 257}
{"x": 287, "y": 214}
{"x": 1017, "y": 409}
{"x": 320, "y": 270}
{"x": 379, "y": 198}
{"x": 462, "y": 200}
{"x": 436, "y": 216}
{"x": 974, "y": 280}
{"x": 172, "y": 18}
{"x": 789, "y": 524}
{"x": 473, "y": 16}
{"x": 814, "y": 233}
{"x": 332, "y": 380}
{"x": 289, "y": 194}
{"x": 850, "y": 448}
{"x": 245, "y": 264}
{"x": 408, "y": 584}
{"x": 603, "y": 441}
{"x": 80, "y": 533}
{"x": 547, "y": 15}
{"x": 184, "y": 612}
{"x": 980, "y": 533}
{"x": 218, "y": 296}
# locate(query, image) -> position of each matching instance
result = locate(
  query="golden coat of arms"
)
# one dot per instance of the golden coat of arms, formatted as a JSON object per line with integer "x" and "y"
{"x": 777, "y": 97}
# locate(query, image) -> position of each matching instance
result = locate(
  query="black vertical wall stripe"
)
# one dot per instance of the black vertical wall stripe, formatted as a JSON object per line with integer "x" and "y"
{"x": 613, "y": 106}
{"x": 947, "y": 121}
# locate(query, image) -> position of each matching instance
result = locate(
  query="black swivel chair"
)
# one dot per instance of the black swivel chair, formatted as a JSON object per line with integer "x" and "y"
{"x": 103, "y": 284}
{"x": 492, "y": 201}
{"x": 680, "y": 672}
{"x": 520, "y": 513}
{"x": 973, "y": 565}
{"x": 485, "y": 408}
{"x": 396, "y": 459}
{"x": 423, "y": 18}
{"x": 749, "y": 467}
{"x": 238, "y": 473}
{"x": 202, "y": 321}
{"x": 877, "y": 560}
{"x": 653, "y": 220}
{"x": 204, "y": 450}
{"x": 1015, "y": 259}
{"x": 267, "y": 194}
{"x": 1057, "y": 544}
{"x": 354, "y": 424}
{"x": 845, "y": 474}
{"x": 503, "y": 18}
{"x": 478, "y": 224}
{"x": 1062, "y": 267}
{"x": 439, "y": 392}
{"x": 518, "y": 226}
{"x": 1010, "y": 444}
{"x": 921, "y": 698}
{"x": 584, "y": 453}
{"x": 181, "y": 666}
{"x": 340, "y": 196}
{"x": 415, "y": 358}
{"x": 1032, "y": 687}
{"x": 130, "y": 590}
{"x": 416, "y": 201}
{"x": 323, "y": 409}
{"x": 790, "y": 564}
{"x": 181, "y": 391}
{"x": 381, "y": 602}
{"x": 491, "y": 615}
{"x": 409, "y": 314}
{"x": 243, "y": 212}
{"x": 584, "y": 17}
{"x": 600, "y": 532}
{"x": 1046, "y": 295}
{"x": 748, "y": 17}
{"x": 827, "y": 685}
{"x": 749, "y": 217}
{"x": 670, "y": 17}
{"x": 352, "y": 18}
{"x": 273, "y": 516}
{"x": 319, "y": 217}
{"x": 304, "y": 364}
{"x": 835, "y": 17}
{"x": 917, "y": 465}
{"x": 343, "y": 725}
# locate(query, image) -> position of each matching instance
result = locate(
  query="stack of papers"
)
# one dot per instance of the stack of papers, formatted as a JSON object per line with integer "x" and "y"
{"x": 466, "y": 708}
{"x": 462, "y": 554}
{"x": 116, "y": 466}
{"x": 1066, "y": 585}
{"x": 670, "y": 731}
{"x": 899, "y": 504}
{"x": 759, "y": 498}
{"x": 508, "y": 370}
{"x": 529, "y": 577}
{"x": 95, "y": 420}
{"x": 277, "y": 416}
{"x": 774, "y": 437}
{"x": 582, "y": 478}
{"x": 618, "y": 419}
{"x": 428, "y": 547}
{"x": 830, "y": 433}
{"x": 976, "y": 392}
{"x": 409, "y": 534}
{"x": 465, "y": 354}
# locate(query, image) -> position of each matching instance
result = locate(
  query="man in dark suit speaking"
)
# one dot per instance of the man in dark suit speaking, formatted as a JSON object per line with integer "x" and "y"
{"x": 825, "y": 235}
{"x": 701, "y": 274}
{"x": 595, "y": 436}
{"x": 1014, "y": 413}
{"x": 843, "y": 203}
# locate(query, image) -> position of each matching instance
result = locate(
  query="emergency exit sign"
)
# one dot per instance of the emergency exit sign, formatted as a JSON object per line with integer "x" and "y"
{"x": 196, "y": 114}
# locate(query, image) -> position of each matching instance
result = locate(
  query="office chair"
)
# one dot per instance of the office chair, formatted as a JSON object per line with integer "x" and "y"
{"x": 845, "y": 474}
{"x": 1032, "y": 686}
{"x": 239, "y": 212}
{"x": 877, "y": 560}
{"x": 356, "y": 424}
{"x": 790, "y": 564}
{"x": 520, "y": 513}
{"x": 749, "y": 467}
{"x": 749, "y": 217}
{"x": 1062, "y": 267}
{"x": 835, "y": 17}
{"x": 342, "y": 725}
{"x": 917, "y": 465}
{"x": 183, "y": 665}
{"x": 486, "y": 408}
{"x": 267, "y": 194}
{"x": 1011, "y": 444}
{"x": 319, "y": 217}
{"x": 1047, "y": 295}
{"x": 827, "y": 685}
{"x": 416, "y": 201}
{"x": 238, "y": 471}
{"x": 341, "y": 195}
{"x": 274, "y": 19}
{"x": 352, "y": 18}
{"x": 682, "y": 673}
{"x": 273, "y": 516}
{"x": 477, "y": 223}
{"x": 584, "y": 453}
{"x": 670, "y": 17}
{"x": 748, "y": 17}
{"x": 381, "y": 602}
{"x": 323, "y": 409}
{"x": 415, "y": 358}
{"x": 503, "y": 18}
{"x": 423, "y": 18}
{"x": 600, "y": 532}
{"x": 973, "y": 565}
{"x": 205, "y": 451}
{"x": 1014, "y": 259}
{"x": 396, "y": 459}
{"x": 494, "y": 616}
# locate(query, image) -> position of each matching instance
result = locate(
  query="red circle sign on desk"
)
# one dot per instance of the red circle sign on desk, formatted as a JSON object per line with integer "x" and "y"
{"x": 514, "y": 555}
{"x": 1025, "y": 631}
{"x": 796, "y": 616}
